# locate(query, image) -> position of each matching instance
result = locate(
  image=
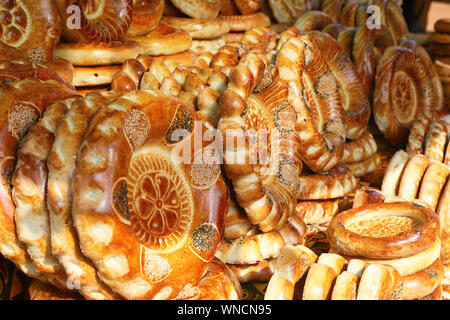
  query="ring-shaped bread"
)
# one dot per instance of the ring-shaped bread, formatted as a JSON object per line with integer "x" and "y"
{"x": 98, "y": 54}
{"x": 394, "y": 172}
{"x": 438, "y": 89}
{"x": 314, "y": 94}
{"x": 146, "y": 15}
{"x": 24, "y": 102}
{"x": 418, "y": 131}
{"x": 403, "y": 88}
{"x": 435, "y": 140}
{"x": 31, "y": 26}
{"x": 360, "y": 149}
{"x": 292, "y": 263}
{"x": 423, "y": 283}
{"x": 368, "y": 48}
{"x": 412, "y": 176}
{"x": 384, "y": 231}
{"x": 348, "y": 13}
{"x": 240, "y": 23}
{"x": 313, "y": 20}
{"x": 336, "y": 183}
{"x": 95, "y": 20}
{"x": 199, "y": 9}
{"x": 287, "y": 11}
{"x": 164, "y": 40}
{"x": 148, "y": 199}
{"x": 333, "y": 8}
{"x": 366, "y": 166}
{"x": 356, "y": 106}
{"x": 260, "y": 144}
{"x": 202, "y": 29}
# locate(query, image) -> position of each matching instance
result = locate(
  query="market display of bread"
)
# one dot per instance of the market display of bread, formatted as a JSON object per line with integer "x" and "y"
{"x": 189, "y": 150}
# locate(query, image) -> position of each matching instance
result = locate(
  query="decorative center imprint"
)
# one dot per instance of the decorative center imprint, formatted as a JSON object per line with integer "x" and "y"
{"x": 403, "y": 97}
{"x": 159, "y": 202}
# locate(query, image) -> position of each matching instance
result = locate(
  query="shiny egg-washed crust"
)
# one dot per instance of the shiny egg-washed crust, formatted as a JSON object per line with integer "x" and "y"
{"x": 61, "y": 164}
{"x": 233, "y": 37}
{"x": 345, "y": 287}
{"x": 98, "y": 54}
{"x": 251, "y": 248}
{"x": 336, "y": 183}
{"x": 392, "y": 17}
{"x": 365, "y": 167}
{"x": 253, "y": 105}
{"x": 200, "y": 29}
{"x": 360, "y": 149}
{"x": 150, "y": 219}
{"x": 163, "y": 40}
{"x": 423, "y": 283}
{"x": 62, "y": 68}
{"x": 313, "y": 20}
{"x": 367, "y": 196}
{"x": 403, "y": 88}
{"x": 29, "y": 193}
{"x": 394, "y": 172}
{"x": 418, "y": 131}
{"x": 218, "y": 283}
{"x": 333, "y": 8}
{"x": 257, "y": 272}
{"x": 372, "y": 240}
{"x": 348, "y": 13}
{"x": 255, "y": 246}
{"x": 146, "y": 15}
{"x": 228, "y": 56}
{"x": 319, "y": 282}
{"x": 412, "y": 177}
{"x": 438, "y": 89}
{"x": 379, "y": 282}
{"x": 236, "y": 222}
{"x": 314, "y": 94}
{"x": 23, "y": 103}
{"x": 229, "y": 8}
{"x": 34, "y": 27}
{"x": 94, "y": 76}
{"x": 248, "y": 6}
{"x": 95, "y": 20}
{"x": 436, "y": 140}
{"x": 287, "y": 11}
{"x": 16, "y": 65}
{"x": 408, "y": 265}
{"x": 346, "y": 39}
{"x": 442, "y": 25}
{"x": 199, "y": 9}
{"x": 239, "y": 23}
{"x": 207, "y": 46}
{"x": 292, "y": 263}
{"x": 368, "y": 48}
{"x": 444, "y": 217}
{"x": 318, "y": 212}
{"x": 356, "y": 106}
{"x": 262, "y": 38}
{"x": 334, "y": 29}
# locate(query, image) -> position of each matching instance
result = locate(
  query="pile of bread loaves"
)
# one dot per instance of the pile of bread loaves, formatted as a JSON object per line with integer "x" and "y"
{"x": 175, "y": 149}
